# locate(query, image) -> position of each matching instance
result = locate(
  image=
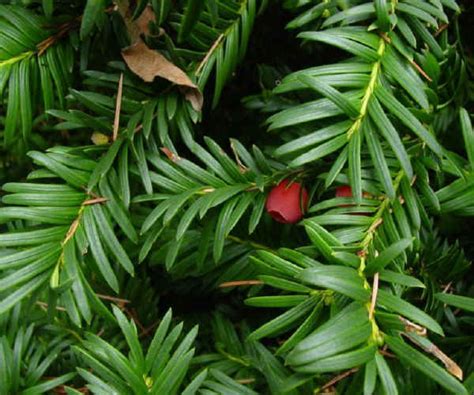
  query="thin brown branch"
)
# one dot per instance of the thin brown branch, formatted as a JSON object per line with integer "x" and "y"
{"x": 118, "y": 107}
{"x": 242, "y": 167}
{"x": 71, "y": 231}
{"x": 134, "y": 316}
{"x": 240, "y": 283}
{"x": 420, "y": 70}
{"x": 90, "y": 193}
{"x": 97, "y": 200}
{"x": 208, "y": 55}
{"x": 375, "y": 225}
{"x": 148, "y": 329}
{"x": 442, "y": 28}
{"x": 447, "y": 287}
{"x": 338, "y": 378}
{"x": 75, "y": 224}
{"x": 385, "y": 353}
{"x": 113, "y": 299}
{"x": 62, "y": 30}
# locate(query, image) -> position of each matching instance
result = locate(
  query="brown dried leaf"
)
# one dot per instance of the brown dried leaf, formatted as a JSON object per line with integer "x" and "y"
{"x": 411, "y": 327}
{"x": 194, "y": 96}
{"x": 139, "y": 26}
{"x": 143, "y": 21}
{"x": 451, "y": 366}
{"x": 148, "y": 64}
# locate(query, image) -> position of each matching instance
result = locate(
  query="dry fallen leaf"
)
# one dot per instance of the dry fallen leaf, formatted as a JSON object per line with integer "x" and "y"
{"x": 194, "y": 96}
{"x": 451, "y": 366}
{"x": 148, "y": 64}
{"x": 139, "y": 26}
{"x": 143, "y": 21}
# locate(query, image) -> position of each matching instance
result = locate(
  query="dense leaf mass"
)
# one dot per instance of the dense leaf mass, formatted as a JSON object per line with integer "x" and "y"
{"x": 236, "y": 197}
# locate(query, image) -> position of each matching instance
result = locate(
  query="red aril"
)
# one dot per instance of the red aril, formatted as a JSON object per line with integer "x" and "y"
{"x": 287, "y": 201}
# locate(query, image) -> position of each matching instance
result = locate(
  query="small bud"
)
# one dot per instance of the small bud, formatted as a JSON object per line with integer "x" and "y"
{"x": 99, "y": 138}
{"x": 287, "y": 201}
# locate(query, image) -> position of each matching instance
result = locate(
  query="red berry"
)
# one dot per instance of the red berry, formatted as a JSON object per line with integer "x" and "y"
{"x": 287, "y": 201}
{"x": 344, "y": 191}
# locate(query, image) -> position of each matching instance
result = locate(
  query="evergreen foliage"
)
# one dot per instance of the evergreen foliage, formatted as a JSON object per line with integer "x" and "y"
{"x": 139, "y": 142}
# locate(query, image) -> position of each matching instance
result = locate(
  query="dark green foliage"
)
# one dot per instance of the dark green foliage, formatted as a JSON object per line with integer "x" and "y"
{"x": 136, "y": 254}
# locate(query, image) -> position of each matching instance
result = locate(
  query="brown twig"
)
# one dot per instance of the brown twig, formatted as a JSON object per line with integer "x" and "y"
{"x": 63, "y": 30}
{"x": 71, "y": 231}
{"x": 242, "y": 167}
{"x": 113, "y": 299}
{"x": 118, "y": 106}
{"x": 228, "y": 284}
{"x": 338, "y": 378}
{"x": 97, "y": 200}
{"x": 148, "y": 329}
{"x": 447, "y": 287}
{"x": 443, "y": 27}
{"x": 208, "y": 54}
{"x": 134, "y": 316}
{"x": 75, "y": 224}
{"x": 420, "y": 70}
{"x": 375, "y": 225}
{"x": 385, "y": 353}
